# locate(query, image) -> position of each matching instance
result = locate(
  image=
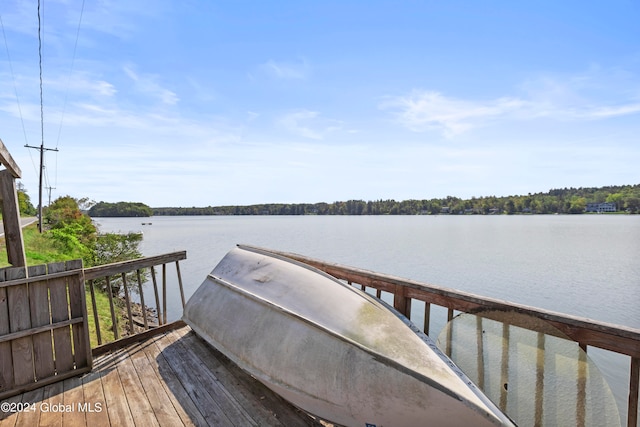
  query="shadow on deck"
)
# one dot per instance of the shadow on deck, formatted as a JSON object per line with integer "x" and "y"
{"x": 173, "y": 379}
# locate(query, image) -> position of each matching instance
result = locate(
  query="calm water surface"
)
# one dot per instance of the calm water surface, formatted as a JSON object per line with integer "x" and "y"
{"x": 585, "y": 265}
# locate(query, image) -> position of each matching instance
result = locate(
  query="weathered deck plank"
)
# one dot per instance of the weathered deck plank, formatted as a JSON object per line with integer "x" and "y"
{"x": 94, "y": 395}
{"x": 73, "y": 398}
{"x": 173, "y": 379}
{"x": 180, "y": 399}
{"x": 161, "y": 405}
{"x": 193, "y": 381}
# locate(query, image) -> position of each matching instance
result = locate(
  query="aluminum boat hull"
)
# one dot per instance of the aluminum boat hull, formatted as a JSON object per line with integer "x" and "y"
{"x": 330, "y": 349}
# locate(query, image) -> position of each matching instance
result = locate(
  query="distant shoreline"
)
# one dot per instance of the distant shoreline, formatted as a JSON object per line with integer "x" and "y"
{"x": 611, "y": 200}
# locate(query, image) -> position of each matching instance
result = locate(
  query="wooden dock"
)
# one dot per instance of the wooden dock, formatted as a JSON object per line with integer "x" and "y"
{"x": 173, "y": 379}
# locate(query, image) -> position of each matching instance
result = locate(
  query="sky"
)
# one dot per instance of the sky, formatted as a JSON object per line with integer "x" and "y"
{"x": 203, "y": 103}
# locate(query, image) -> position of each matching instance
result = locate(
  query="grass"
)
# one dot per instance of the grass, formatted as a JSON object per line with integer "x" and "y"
{"x": 41, "y": 250}
{"x": 37, "y": 248}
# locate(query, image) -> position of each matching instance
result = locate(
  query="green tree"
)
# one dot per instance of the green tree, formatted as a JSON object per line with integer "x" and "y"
{"x": 70, "y": 229}
{"x": 577, "y": 204}
{"x": 120, "y": 209}
{"x": 24, "y": 204}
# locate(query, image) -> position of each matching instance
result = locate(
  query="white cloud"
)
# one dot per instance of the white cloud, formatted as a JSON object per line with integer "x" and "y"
{"x": 308, "y": 124}
{"x": 604, "y": 112}
{"x": 120, "y": 19}
{"x": 428, "y": 110}
{"x": 293, "y": 122}
{"x": 147, "y": 83}
{"x": 286, "y": 70}
{"x": 593, "y": 95}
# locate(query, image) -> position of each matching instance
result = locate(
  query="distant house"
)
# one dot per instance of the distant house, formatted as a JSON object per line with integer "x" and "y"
{"x": 445, "y": 210}
{"x": 601, "y": 207}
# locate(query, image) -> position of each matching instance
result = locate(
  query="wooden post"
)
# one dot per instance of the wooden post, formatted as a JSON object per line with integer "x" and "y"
{"x": 8, "y": 162}
{"x": 401, "y": 302}
{"x": 11, "y": 220}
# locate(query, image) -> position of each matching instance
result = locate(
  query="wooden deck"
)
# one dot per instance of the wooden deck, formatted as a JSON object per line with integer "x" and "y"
{"x": 173, "y": 379}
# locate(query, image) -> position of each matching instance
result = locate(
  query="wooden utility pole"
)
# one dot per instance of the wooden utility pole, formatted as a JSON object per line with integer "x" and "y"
{"x": 11, "y": 209}
{"x": 42, "y": 150}
{"x": 50, "y": 188}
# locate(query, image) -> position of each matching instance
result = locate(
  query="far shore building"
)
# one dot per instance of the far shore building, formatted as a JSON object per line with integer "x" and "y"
{"x": 601, "y": 207}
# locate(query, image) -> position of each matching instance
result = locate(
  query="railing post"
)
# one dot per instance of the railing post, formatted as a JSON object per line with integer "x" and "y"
{"x": 401, "y": 302}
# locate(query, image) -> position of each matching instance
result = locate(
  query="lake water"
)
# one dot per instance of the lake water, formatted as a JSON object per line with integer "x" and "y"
{"x": 585, "y": 265}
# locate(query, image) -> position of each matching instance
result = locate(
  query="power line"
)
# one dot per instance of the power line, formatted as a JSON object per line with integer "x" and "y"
{"x": 42, "y": 147}
{"x": 73, "y": 60}
{"x": 40, "y": 64}
{"x": 13, "y": 77}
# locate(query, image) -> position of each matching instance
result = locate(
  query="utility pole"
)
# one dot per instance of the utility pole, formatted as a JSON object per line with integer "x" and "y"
{"x": 42, "y": 150}
{"x": 50, "y": 188}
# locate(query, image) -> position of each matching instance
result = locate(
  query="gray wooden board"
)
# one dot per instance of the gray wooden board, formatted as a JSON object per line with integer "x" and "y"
{"x": 20, "y": 319}
{"x": 40, "y": 316}
{"x": 94, "y": 396}
{"x": 271, "y": 408}
{"x": 182, "y": 402}
{"x": 147, "y": 370}
{"x": 192, "y": 379}
{"x": 139, "y": 405}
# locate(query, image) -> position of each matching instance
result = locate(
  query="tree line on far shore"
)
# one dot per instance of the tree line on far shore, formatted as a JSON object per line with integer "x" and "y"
{"x": 557, "y": 201}
{"x": 120, "y": 209}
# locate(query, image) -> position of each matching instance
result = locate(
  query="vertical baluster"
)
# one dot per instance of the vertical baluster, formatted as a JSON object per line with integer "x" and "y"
{"x": 427, "y": 317}
{"x": 634, "y": 380}
{"x": 480, "y": 344}
{"x": 539, "y": 397}
{"x": 581, "y": 397}
{"x": 114, "y": 319}
{"x": 155, "y": 291}
{"x": 96, "y": 318}
{"x": 164, "y": 292}
{"x": 449, "y": 328}
{"x": 128, "y": 303}
{"x": 180, "y": 283}
{"x": 504, "y": 363}
{"x": 144, "y": 307}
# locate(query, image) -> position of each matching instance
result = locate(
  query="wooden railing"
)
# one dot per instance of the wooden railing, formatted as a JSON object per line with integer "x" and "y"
{"x": 585, "y": 332}
{"x": 130, "y": 276}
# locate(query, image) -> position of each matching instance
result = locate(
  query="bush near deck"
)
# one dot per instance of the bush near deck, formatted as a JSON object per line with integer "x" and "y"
{"x": 69, "y": 234}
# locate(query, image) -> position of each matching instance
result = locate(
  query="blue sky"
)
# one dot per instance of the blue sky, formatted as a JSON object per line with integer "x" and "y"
{"x": 198, "y": 103}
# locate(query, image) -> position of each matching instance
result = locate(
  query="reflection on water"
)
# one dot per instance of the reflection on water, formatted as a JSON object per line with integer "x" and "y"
{"x": 534, "y": 373}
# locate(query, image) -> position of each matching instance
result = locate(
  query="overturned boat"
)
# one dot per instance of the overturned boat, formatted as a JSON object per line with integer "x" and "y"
{"x": 330, "y": 349}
